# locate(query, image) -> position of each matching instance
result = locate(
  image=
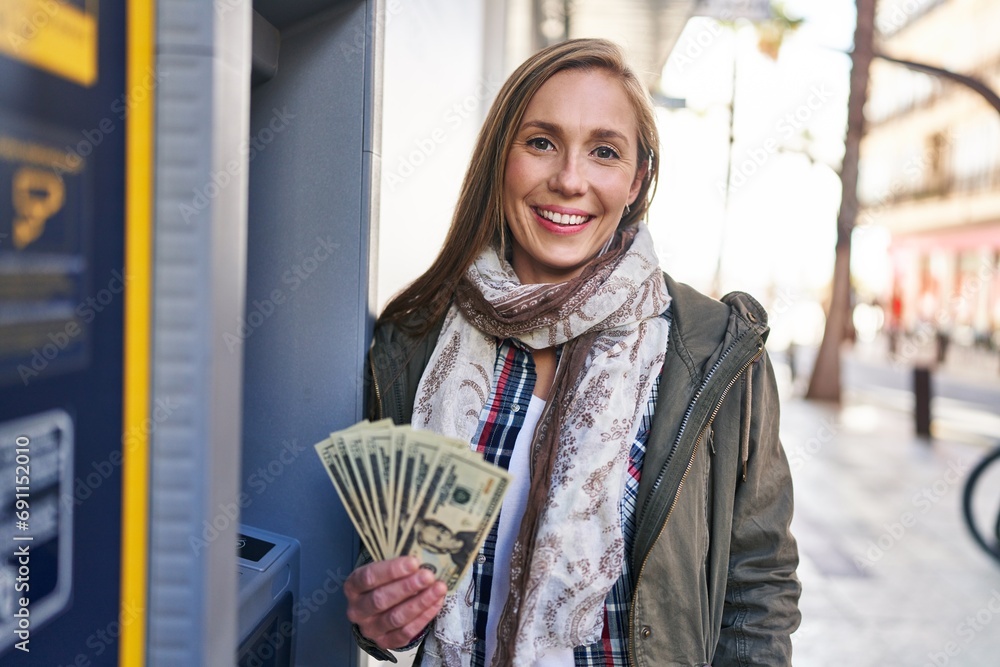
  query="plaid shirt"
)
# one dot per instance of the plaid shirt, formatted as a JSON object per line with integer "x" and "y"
{"x": 499, "y": 424}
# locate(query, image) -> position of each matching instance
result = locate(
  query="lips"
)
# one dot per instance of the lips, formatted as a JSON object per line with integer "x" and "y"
{"x": 562, "y": 219}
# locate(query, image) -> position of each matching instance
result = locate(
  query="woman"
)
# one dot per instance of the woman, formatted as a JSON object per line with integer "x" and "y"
{"x": 648, "y": 522}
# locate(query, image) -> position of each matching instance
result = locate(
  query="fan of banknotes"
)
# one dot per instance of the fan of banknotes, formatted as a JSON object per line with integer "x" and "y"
{"x": 413, "y": 492}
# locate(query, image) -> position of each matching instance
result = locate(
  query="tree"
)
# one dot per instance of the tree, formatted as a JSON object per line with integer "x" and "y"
{"x": 824, "y": 384}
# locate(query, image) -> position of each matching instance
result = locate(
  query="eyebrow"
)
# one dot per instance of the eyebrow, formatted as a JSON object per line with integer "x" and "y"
{"x": 552, "y": 128}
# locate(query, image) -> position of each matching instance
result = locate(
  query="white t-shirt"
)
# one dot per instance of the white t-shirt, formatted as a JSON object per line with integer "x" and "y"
{"x": 510, "y": 521}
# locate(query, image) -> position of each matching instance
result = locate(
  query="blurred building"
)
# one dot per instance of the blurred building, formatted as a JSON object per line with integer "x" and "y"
{"x": 648, "y": 29}
{"x": 930, "y": 168}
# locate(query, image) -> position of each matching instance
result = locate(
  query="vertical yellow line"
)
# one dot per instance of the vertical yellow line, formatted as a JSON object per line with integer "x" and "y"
{"x": 139, "y": 148}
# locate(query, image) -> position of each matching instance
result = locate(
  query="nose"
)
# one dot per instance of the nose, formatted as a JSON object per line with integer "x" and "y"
{"x": 568, "y": 179}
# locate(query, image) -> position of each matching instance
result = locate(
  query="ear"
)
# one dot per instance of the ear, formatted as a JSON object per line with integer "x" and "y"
{"x": 640, "y": 176}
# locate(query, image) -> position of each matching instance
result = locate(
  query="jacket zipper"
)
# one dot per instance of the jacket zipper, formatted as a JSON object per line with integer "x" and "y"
{"x": 685, "y": 418}
{"x": 378, "y": 392}
{"x": 687, "y": 470}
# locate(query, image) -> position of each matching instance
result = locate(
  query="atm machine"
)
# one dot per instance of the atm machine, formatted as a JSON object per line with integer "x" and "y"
{"x": 63, "y": 282}
{"x": 188, "y": 198}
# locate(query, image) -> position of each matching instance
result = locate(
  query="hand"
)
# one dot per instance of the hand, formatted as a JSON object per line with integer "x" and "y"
{"x": 392, "y": 601}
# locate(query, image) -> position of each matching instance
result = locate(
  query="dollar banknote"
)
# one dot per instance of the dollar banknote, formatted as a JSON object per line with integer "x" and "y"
{"x": 415, "y": 492}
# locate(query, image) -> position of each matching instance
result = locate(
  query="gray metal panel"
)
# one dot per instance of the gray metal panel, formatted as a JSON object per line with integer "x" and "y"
{"x": 374, "y": 58}
{"x": 187, "y": 25}
{"x": 371, "y": 177}
{"x": 198, "y": 293}
{"x": 308, "y": 300}
{"x": 266, "y": 48}
{"x": 285, "y": 13}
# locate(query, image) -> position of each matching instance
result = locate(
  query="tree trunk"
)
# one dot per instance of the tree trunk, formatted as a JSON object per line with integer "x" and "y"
{"x": 824, "y": 384}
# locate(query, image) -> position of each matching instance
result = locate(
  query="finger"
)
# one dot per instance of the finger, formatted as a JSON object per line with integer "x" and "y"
{"x": 386, "y": 598}
{"x": 396, "y": 622}
{"x": 369, "y": 577}
{"x": 406, "y": 612}
{"x": 402, "y": 636}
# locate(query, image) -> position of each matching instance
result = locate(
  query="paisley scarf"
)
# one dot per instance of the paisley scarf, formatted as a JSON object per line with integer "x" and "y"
{"x": 569, "y": 548}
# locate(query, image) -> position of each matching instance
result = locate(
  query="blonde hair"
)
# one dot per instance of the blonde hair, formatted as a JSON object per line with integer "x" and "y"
{"x": 478, "y": 219}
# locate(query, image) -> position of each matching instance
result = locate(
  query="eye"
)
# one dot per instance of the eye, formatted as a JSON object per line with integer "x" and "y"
{"x": 540, "y": 143}
{"x": 605, "y": 153}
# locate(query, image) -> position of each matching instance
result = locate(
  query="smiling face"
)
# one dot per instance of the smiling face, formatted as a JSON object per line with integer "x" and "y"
{"x": 570, "y": 172}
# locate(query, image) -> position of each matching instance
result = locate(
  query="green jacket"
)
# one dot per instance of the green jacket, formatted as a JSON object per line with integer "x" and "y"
{"x": 713, "y": 558}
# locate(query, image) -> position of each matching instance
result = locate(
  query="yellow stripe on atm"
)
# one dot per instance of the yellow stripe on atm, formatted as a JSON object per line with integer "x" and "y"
{"x": 138, "y": 262}
{"x": 52, "y": 35}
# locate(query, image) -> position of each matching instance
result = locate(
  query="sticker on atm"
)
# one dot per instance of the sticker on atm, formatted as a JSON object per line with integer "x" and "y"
{"x": 58, "y": 36}
{"x": 45, "y": 315}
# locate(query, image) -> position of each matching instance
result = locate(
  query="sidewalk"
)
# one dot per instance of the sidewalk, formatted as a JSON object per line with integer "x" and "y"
{"x": 890, "y": 575}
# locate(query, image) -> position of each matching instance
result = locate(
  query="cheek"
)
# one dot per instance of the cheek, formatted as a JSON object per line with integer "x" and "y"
{"x": 517, "y": 177}
{"x": 615, "y": 185}
{"x": 518, "y": 185}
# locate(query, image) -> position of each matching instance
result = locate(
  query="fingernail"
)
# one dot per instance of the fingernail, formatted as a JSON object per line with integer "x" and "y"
{"x": 426, "y": 577}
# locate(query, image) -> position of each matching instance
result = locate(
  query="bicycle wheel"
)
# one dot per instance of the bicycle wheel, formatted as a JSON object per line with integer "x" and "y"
{"x": 981, "y": 503}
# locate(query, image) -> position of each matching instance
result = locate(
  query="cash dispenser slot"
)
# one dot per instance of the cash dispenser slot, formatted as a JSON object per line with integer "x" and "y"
{"x": 268, "y": 566}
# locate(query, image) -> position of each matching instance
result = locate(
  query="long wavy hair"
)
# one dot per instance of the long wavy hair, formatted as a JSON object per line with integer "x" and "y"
{"x": 478, "y": 220}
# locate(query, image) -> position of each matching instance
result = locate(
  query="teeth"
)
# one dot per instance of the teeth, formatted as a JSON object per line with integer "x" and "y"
{"x": 562, "y": 219}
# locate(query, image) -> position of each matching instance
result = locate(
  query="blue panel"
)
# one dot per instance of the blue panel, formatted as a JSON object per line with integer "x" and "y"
{"x": 81, "y": 251}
